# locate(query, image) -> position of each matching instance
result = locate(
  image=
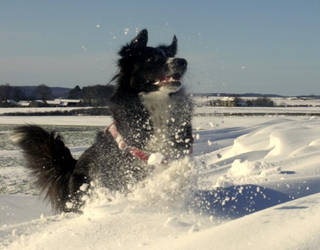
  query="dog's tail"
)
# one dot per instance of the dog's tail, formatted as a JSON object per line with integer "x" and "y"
{"x": 49, "y": 160}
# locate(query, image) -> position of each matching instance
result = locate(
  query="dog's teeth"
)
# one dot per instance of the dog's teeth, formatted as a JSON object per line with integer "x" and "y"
{"x": 157, "y": 83}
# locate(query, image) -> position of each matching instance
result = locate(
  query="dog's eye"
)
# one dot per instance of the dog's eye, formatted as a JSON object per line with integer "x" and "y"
{"x": 149, "y": 59}
{"x": 155, "y": 59}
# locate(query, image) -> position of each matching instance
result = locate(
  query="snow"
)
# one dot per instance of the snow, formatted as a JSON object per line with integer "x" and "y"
{"x": 258, "y": 110}
{"x": 126, "y": 31}
{"x": 155, "y": 158}
{"x": 42, "y": 109}
{"x": 279, "y": 101}
{"x": 253, "y": 182}
{"x": 57, "y": 120}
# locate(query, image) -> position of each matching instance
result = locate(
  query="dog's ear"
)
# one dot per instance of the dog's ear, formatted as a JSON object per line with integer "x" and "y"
{"x": 170, "y": 50}
{"x": 140, "y": 41}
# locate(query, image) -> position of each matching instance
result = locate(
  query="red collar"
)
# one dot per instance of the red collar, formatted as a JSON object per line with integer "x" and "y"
{"x": 137, "y": 153}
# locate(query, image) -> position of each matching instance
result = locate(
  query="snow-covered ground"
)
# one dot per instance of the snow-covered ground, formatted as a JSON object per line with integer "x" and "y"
{"x": 33, "y": 110}
{"x": 253, "y": 183}
{"x": 258, "y": 111}
{"x": 278, "y": 101}
{"x": 204, "y": 110}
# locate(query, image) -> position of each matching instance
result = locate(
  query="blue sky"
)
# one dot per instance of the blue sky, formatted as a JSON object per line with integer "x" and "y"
{"x": 270, "y": 46}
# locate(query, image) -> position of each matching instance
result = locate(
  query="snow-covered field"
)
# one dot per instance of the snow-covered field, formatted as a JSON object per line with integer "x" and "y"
{"x": 42, "y": 109}
{"x": 257, "y": 111}
{"x": 278, "y": 101}
{"x": 203, "y": 110}
{"x": 253, "y": 183}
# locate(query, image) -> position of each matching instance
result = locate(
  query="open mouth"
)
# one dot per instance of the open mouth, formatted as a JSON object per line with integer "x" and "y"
{"x": 168, "y": 79}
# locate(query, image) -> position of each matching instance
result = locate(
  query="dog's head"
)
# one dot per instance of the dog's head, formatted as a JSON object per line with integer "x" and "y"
{"x": 147, "y": 69}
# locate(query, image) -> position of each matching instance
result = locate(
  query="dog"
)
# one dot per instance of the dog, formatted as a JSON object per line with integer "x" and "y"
{"x": 152, "y": 126}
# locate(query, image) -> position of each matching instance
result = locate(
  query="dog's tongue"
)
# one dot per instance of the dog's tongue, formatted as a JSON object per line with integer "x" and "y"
{"x": 166, "y": 80}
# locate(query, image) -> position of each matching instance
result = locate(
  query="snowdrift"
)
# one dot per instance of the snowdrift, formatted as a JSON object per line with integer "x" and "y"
{"x": 252, "y": 183}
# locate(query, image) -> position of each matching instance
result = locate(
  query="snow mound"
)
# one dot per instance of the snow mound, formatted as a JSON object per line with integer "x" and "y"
{"x": 169, "y": 185}
{"x": 257, "y": 179}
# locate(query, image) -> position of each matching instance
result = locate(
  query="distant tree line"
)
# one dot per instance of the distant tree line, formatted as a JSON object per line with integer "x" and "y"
{"x": 8, "y": 93}
{"x": 97, "y": 95}
{"x": 256, "y": 102}
{"x": 240, "y": 102}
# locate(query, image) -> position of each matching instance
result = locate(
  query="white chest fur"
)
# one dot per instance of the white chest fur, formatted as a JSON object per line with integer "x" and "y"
{"x": 158, "y": 104}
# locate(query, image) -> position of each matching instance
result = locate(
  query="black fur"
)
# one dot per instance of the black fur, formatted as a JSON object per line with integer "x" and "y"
{"x": 50, "y": 162}
{"x": 151, "y": 112}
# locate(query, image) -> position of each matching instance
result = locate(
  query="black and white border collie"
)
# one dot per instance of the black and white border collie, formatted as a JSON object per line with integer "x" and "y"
{"x": 152, "y": 125}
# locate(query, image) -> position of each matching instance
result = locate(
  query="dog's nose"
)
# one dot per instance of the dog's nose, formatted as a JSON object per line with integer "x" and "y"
{"x": 181, "y": 62}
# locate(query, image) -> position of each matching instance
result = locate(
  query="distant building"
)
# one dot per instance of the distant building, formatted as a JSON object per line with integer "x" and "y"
{"x": 64, "y": 102}
{"x": 50, "y": 103}
{"x": 23, "y": 103}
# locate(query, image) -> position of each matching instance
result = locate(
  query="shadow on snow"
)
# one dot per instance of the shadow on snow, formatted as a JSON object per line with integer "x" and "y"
{"x": 235, "y": 201}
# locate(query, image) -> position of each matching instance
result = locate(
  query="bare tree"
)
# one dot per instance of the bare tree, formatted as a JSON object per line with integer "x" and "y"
{"x": 5, "y": 92}
{"x": 43, "y": 92}
{"x": 75, "y": 93}
{"x": 17, "y": 94}
{"x": 98, "y": 95}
